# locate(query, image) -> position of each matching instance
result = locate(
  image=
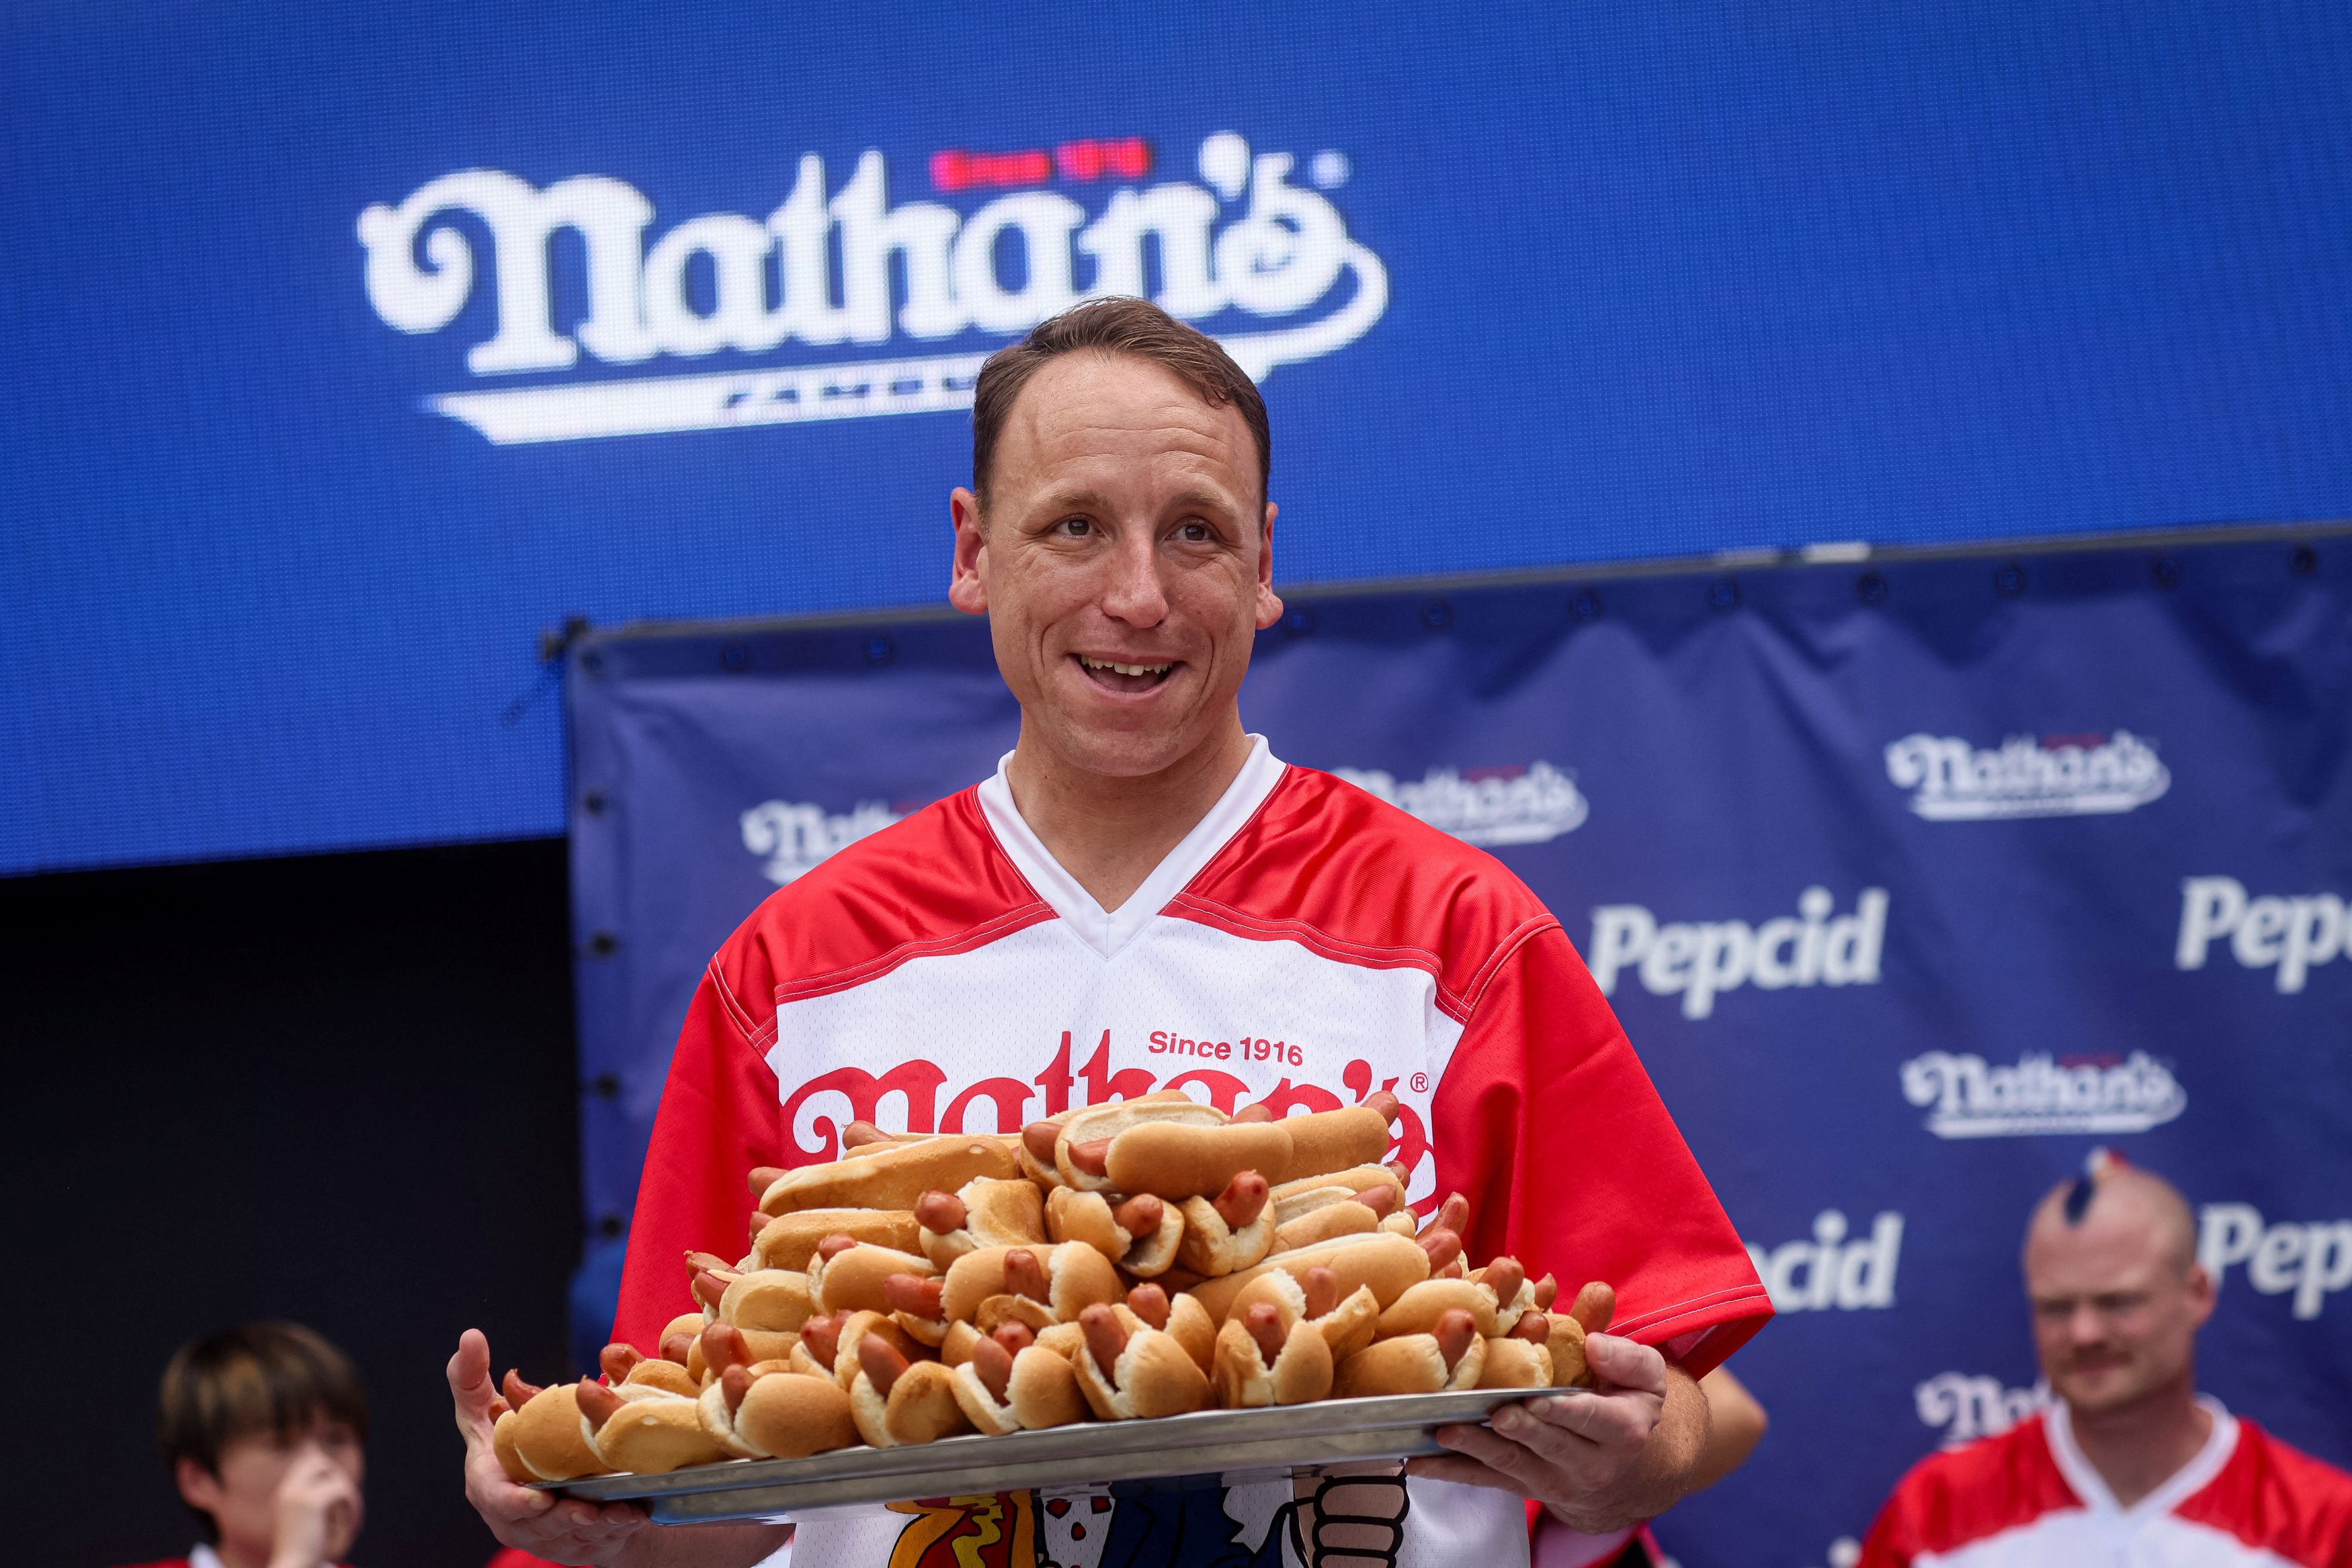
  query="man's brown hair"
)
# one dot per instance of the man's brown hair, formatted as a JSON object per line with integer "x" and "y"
{"x": 1117, "y": 325}
{"x": 254, "y": 1378}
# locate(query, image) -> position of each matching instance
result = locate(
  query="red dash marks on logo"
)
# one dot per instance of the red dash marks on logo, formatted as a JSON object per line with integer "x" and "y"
{"x": 1125, "y": 158}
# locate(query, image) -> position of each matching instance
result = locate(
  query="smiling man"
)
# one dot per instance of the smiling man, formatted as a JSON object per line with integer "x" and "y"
{"x": 2130, "y": 1468}
{"x": 1138, "y": 861}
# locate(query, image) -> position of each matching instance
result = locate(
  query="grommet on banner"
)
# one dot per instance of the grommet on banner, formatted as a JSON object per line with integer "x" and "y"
{"x": 605, "y": 1086}
{"x": 2009, "y": 581}
{"x": 1870, "y": 588}
{"x": 1723, "y": 593}
{"x": 1585, "y": 605}
{"x": 603, "y": 944}
{"x": 1437, "y": 615}
{"x": 2166, "y": 569}
{"x": 1298, "y": 622}
{"x": 2303, "y": 561}
{"x": 878, "y": 649}
{"x": 735, "y": 658}
{"x": 610, "y": 1226}
{"x": 593, "y": 802}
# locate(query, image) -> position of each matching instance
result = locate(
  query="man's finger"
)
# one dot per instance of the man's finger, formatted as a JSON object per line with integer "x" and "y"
{"x": 1496, "y": 1453}
{"x": 1555, "y": 1443}
{"x": 1608, "y": 1420}
{"x": 1466, "y": 1472}
{"x": 1625, "y": 1363}
{"x": 471, "y": 1390}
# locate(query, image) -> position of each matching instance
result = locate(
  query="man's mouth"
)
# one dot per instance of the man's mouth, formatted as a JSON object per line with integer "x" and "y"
{"x": 1118, "y": 675}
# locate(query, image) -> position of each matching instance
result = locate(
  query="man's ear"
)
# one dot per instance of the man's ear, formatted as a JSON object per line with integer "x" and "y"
{"x": 199, "y": 1487}
{"x": 1269, "y": 603}
{"x": 967, "y": 578}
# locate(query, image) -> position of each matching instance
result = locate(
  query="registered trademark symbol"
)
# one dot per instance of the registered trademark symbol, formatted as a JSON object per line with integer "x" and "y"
{"x": 1421, "y": 1082}
{"x": 1329, "y": 170}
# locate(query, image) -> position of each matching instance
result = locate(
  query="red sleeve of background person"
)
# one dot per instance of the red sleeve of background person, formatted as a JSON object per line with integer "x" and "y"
{"x": 2278, "y": 1500}
{"x": 1546, "y": 1123}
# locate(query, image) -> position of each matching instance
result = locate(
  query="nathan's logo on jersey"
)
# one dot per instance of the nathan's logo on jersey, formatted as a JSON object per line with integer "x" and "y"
{"x": 1966, "y": 1406}
{"x": 794, "y": 839}
{"x": 2311, "y": 1259}
{"x": 1972, "y": 1099}
{"x": 834, "y": 269}
{"x": 2296, "y": 934}
{"x": 915, "y": 1096}
{"x": 1828, "y": 1270}
{"x": 1700, "y": 960}
{"x": 1486, "y": 806}
{"x": 2054, "y": 775}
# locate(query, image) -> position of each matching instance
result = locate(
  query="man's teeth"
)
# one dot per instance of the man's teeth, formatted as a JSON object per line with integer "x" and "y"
{"x": 1118, "y": 669}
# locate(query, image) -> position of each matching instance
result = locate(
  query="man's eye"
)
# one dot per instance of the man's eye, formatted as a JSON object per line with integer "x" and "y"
{"x": 1195, "y": 533}
{"x": 1076, "y": 527}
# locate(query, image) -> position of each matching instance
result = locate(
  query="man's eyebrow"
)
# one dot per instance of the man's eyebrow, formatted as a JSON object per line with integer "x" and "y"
{"x": 1084, "y": 499}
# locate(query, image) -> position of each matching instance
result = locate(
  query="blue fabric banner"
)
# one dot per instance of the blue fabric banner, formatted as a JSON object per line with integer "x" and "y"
{"x": 1912, "y": 880}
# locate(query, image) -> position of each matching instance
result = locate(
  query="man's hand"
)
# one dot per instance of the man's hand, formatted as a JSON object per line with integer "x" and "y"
{"x": 1599, "y": 1461}
{"x": 565, "y": 1531}
{"x": 317, "y": 1512}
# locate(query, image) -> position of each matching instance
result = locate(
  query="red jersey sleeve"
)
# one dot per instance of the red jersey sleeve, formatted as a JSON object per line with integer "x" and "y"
{"x": 719, "y": 1117}
{"x": 1546, "y": 1122}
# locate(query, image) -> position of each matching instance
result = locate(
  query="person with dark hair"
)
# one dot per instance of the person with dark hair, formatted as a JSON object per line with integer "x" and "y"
{"x": 263, "y": 1429}
{"x": 1140, "y": 861}
{"x": 2130, "y": 1466}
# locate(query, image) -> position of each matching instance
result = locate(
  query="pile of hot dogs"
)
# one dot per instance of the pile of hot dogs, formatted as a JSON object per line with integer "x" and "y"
{"x": 1141, "y": 1258}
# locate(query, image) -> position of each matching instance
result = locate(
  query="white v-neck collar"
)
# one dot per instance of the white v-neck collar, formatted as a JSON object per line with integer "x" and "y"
{"x": 2184, "y": 1483}
{"x": 1107, "y": 931}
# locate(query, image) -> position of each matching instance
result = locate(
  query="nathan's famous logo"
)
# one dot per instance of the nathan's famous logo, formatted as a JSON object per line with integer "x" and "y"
{"x": 2296, "y": 934}
{"x": 2310, "y": 1259}
{"x": 792, "y": 837}
{"x": 2055, "y": 775}
{"x": 1529, "y": 805}
{"x": 1972, "y": 1099}
{"x": 1966, "y": 1406}
{"x": 1827, "y": 1271}
{"x": 832, "y": 270}
{"x": 1702, "y": 959}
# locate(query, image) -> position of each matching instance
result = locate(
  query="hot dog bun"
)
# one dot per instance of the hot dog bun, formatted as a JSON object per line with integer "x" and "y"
{"x": 652, "y": 1434}
{"x": 1330, "y": 1188}
{"x": 894, "y": 1177}
{"x": 851, "y": 1281}
{"x": 1409, "y": 1363}
{"x": 775, "y": 1300}
{"x": 1042, "y": 1391}
{"x": 791, "y": 1416}
{"x": 1418, "y": 1310}
{"x": 1346, "y": 1328}
{"x": 1077, "y": 1277}
{"x": 1150, "y": 1375}
{"x": 790, "y": 1240}
{"x": 1174, "y": 1162}
{"x": 920, "y": 1408}
{"x": 1089, "y": 1217}
{"x": 1242, "y": 1379}
{"x": 1515, "y": 1363}
{"x": 549, "y": 1438}
{"x": 996, "y": 1213}
{"x": 1212, "y": 1244}
{"x": 1335, "y": 1140}
{"x": 502, "y": 1444}
{"x": 1106, "y": 1124}
{"x": 1389, "y": 1264}
{"x": 666, "y": 1376}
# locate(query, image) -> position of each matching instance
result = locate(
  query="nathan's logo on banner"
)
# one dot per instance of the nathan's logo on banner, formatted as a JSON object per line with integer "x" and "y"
{"x": 831, "y": 269}
{"x": 2056, "y": 776}
{"x": 1700, "y": 960}
{"x": 2313, "y": 1259}
{"x": 2296, "y": 934}
{"x": 1827, "y": 1271}
{"x": 794, "y": 839}
{"x": 1488, "y": 806}
{"x": 1964, "y": 1407}
{"x": 2042, "y": 1094}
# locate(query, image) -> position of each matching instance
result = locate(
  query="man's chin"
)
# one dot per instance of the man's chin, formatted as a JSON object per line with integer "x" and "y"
{"x": 2096, "y": 1393}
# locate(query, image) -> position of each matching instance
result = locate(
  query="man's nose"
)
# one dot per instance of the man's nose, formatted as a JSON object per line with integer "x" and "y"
{"x": 1134, "y": 593}
{"x": 2085, "y": 1325}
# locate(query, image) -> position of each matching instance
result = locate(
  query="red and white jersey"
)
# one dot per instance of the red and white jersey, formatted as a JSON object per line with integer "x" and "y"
{"x": 2028, "y": 1499}
{"x": 1305, "y": 946}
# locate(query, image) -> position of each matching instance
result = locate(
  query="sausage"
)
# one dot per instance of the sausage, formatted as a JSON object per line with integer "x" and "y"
{"x": 1546, "y": 1292}
{"x": 1322, "y": 1288}
{"x": 1385, "y": 1104}
{"x": 881, "y": 1361}
{"x": 1444, "y": 1247}
{"x": 941, "y": 1212}
{"x": 1039, "y": 1138}
{"x": 1092, "y": 1158}
{"x": 1456, "y": 1331}
{"x": 1534, "y": 1326}
{"x": 697, "y": 1262}
{"x": 733, "y": 1384}
{"x": 1014, "y": 1336}
{"x": 1139, "y": 1216}
{"x": 519, "y": 1393}
{"x": 1378, "y": 1199}
{"x": 834, "y": 1245}
{"x": 1149, "y": 1302}
{"x": 1596, "y": 1304}
{"x": 994, "y": 1364}
{"x": 1452, "y": 1215}
{"x": 914, "y": 1295}
{"x": 1024, "y": 1276}
{"x": 1503, "y": 1277}
{"x": 1259, "y": 1113}
{"x": 1243, "y": 1200}
{"x": 723, "y": 1347}
{"x": 709, "y": 1288}
{"x": 678, "y": 1346}
{"x": 1106, "y": 1337}
{"x": 597, "y": 1403}
{"x": 1403, "y": 1171}
{"x": 760, "y": 1221}
{"x": 822, "y": 1335}
{"x": 761, "y": 1178}
{"x": 616, "y": 1360}
{"x": 1264, "y": 1325}
{"x": 857, "y": 1135}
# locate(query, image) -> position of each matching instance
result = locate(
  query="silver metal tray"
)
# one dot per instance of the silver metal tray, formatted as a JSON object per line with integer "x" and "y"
{"x": 1206, "y": 1447}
